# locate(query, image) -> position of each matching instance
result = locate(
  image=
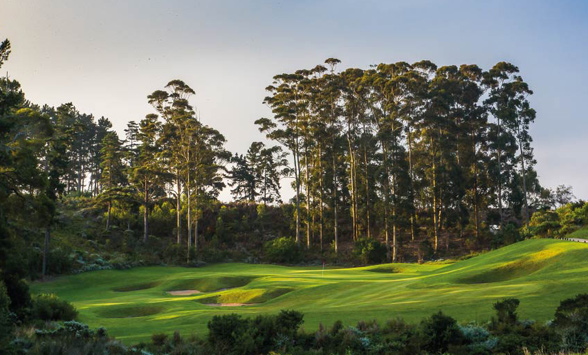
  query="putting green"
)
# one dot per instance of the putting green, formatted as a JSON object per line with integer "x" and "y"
{"x": 133, "y": 304}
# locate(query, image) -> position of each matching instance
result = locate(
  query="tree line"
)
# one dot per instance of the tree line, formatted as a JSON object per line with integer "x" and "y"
{"x": 398, "y": 152}
{"x": 405, "y": 151}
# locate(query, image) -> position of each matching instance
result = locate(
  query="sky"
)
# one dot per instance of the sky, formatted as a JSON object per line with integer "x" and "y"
{"x": 106, "y": 56}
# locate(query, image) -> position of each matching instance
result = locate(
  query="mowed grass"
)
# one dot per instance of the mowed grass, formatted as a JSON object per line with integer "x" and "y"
{"x": 133, "y": 304}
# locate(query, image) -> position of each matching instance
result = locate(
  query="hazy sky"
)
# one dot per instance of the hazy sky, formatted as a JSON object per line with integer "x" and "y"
{"x": 106, "y": 56}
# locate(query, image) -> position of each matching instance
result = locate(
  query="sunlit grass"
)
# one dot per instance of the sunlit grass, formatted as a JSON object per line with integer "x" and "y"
{"x": 540, "y": 273}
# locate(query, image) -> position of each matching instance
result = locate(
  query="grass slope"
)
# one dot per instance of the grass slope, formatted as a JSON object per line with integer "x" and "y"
{"x": 133, "y": 304}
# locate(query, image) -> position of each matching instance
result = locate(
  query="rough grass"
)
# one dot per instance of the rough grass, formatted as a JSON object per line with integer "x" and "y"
{"x": 211, "y": 284}
{"x": 540, "y": 272}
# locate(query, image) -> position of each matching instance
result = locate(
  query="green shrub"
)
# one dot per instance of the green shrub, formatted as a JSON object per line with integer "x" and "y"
{"x": 282, "y": 250}
{"x": 370, "y": 251}
{"x": 224, "y": 332}
{"x": 49, "y": 307}
{"x": 159, "y": 339}
{"x": 5, "y": 317}
{"x": 571, "y": 322}
{"x": 439, "y": 332}
{"x": 506, "y": 313}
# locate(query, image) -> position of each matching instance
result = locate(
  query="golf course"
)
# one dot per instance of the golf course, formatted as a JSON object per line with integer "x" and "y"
{"x": 134, "y": 304}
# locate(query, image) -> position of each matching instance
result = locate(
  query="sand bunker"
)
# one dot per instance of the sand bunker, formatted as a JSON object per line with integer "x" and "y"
{"x": 183, "y": 292}
{"x": 229, "y": 304}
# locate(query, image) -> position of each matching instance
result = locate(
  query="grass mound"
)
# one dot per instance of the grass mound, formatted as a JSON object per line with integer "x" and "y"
{"x": 385, "y": 268}
{"x": 129, "y": 312}
{"x": 136, "y": 287}
{"x": 514, "y": 269}
{"x": 252, "y": 296}
{"x": 211, "y": 284}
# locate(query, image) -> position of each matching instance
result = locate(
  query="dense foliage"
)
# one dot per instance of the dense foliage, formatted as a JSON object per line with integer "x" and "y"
{"x": 283, "y": 334}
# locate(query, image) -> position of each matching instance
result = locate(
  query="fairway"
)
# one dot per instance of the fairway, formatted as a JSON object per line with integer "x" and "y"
{"x": 134, "y": 304}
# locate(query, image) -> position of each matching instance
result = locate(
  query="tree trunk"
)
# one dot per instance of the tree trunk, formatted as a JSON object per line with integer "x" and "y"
{"x": 499, "y": 152}
{"x": 335, "y": 217}
{"x": 524, "y": 173}
{"x": 367, "y": 192}
{"x": 435, "y": 219}
{"x": 108, "y": 216}
{"x": 297, "y": 183}
{"x": 411, "y": 175}
{"x": 306, "y": 173}
{"x": 189, "y": 217}
{"x": 46, "y": 250}
{"x": 178, "y": 208}
{"x": 321, "y": 207}
{"x": 145, "y": 212}
{"x": 386, "y": 201}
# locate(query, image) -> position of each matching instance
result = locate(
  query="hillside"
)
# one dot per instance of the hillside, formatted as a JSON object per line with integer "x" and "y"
{"x": 135, "y": 303}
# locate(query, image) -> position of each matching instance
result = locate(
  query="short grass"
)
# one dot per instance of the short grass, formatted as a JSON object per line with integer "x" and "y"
{"x": 133, "y": 304}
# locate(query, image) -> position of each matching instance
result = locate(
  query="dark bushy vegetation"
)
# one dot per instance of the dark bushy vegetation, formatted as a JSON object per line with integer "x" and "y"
{"x": 282, "y": 250}
{"x": 282, "y": 334}
{"x": 49, "y": 307}
{"x": 558, "y": 223}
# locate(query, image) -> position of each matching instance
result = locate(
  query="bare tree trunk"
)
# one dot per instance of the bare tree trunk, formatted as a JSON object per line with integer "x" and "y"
{"x": 476, "y": 207}
{"x": 46, "y": 249}
{"x": 178, "y": 208}
{"x": 367, "y": 192}
{"x": 189, "y": 217}
{"x": 297, "y": 183}
{"x": 306, "y": 173}
{"x": 524, "y": 173}
{"x": 108, "y": 215}
{"x": 335, "y": 217}
{"x": 145, "y": 212}
{"x": 321, "y": 207}
{"x": 499, "y": 176}
{"x": 386, "y": 201}
{"x": 435, "y": 218}
{"x": 196, "y": 218}
{"x": 411, "y": 175}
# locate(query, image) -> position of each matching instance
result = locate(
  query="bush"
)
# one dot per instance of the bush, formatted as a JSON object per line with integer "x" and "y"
{"x": 508, "y": 235}
{"x": 370, "y": 251}
{"x": 49, "y": 307}
{"x": 571, "y": 321}
{"x": 231, "y": 334}
{"x": 159, "y": 339}
{"x": 5, "y": 317}
{"x": 282, "y": 250}
{"x": 506, "y": 313}
{"x": 224, "y": 331}
{"x": 439, "y": 332}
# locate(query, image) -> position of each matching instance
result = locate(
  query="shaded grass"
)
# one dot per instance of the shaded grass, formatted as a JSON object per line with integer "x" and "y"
{"x": 129, "y": 312}
{"x": 252, "y": 296}
{"x": 540, "y": 272}
{"x": 211, "y": 284}
{"x": 514, "y": 269}
{"x": 388, "y": 269}
{"x": 136, "y": 287}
